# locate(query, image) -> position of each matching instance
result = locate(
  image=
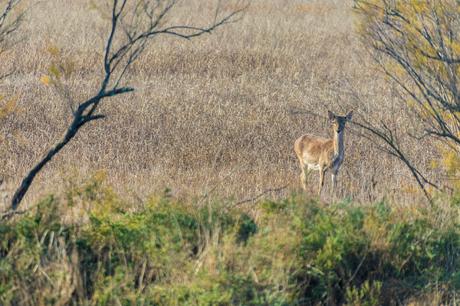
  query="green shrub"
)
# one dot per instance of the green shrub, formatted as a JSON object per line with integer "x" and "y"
{"x": 290, "y": 252}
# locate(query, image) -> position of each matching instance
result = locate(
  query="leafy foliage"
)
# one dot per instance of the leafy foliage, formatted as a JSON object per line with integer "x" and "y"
{"x": 295, "y": 251}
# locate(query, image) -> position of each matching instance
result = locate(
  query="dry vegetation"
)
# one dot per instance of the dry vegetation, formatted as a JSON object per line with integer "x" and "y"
{"x": 214, "y": 115}
{"x": 144, "y": 206}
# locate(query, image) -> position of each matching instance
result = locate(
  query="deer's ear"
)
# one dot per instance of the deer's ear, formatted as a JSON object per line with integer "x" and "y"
{"x": 330, "y": 115}
{"x": 349, "y": 115}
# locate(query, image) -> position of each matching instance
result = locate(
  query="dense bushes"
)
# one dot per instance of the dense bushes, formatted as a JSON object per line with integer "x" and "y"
{"x": 292, "y": 252}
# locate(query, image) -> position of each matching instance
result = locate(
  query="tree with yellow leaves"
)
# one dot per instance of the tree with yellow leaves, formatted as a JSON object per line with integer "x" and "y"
{"x": 417, "y": 45}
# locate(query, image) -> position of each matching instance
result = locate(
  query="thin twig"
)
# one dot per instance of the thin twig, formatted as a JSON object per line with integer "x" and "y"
{"x": 270, "y": 190}
{"x": 10, "y": 213}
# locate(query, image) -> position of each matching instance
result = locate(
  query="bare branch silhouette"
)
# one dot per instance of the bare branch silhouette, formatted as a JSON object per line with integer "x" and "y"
{"x": 133, "y": 24}
{"x": 9, "y": 21}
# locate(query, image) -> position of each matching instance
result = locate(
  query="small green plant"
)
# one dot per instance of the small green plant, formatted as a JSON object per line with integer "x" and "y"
{"x": 367, "y": 295}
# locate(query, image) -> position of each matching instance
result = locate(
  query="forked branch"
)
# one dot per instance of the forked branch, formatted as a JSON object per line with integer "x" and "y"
{"x": 133, "y": 24}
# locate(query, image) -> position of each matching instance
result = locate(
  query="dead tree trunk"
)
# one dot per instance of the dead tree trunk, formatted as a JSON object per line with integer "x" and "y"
{"x": 27, "y": 181}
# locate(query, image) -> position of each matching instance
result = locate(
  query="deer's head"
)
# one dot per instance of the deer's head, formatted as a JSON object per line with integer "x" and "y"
{"x": 338, "y": 122}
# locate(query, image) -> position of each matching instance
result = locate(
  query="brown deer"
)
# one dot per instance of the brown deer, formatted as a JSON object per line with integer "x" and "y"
{"x": 317, "y": 153}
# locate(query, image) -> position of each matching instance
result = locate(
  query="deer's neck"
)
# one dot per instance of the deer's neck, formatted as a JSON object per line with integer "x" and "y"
{"x": 338, "y": 144}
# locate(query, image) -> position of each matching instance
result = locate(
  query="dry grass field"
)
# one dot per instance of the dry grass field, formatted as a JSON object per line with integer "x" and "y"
{"x": 215, "y": 116}
{"x": 188, "y": 192}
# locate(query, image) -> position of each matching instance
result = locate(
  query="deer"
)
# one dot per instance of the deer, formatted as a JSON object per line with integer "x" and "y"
{"x": 322, "y": 154}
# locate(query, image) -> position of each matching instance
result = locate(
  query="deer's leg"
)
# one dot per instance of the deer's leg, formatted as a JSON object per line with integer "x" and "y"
{"x": 322, "y": 171}
{"x": 334, "y": 180}
{"x": 334, "y": 183}
{"x": 303, "y": 179}
{"x": 304, "y": 176}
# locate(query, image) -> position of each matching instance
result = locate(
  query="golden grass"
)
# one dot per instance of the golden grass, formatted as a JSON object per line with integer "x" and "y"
{"x": 212, "y": 115}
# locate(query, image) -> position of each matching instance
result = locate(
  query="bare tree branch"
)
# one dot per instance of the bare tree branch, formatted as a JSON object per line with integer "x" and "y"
{"x": 8, "y": 21}
{"x": 132, "y": 25}
{"x": 254, "y": 198}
